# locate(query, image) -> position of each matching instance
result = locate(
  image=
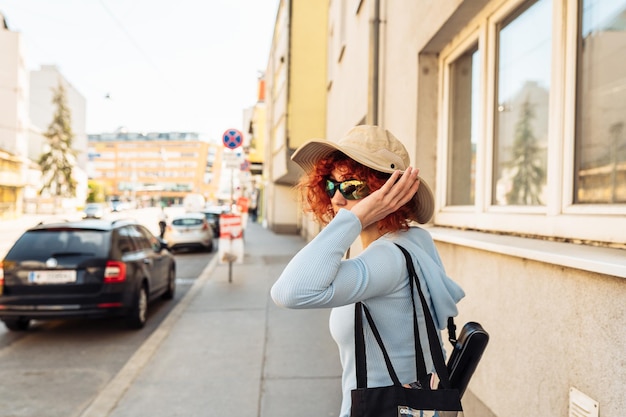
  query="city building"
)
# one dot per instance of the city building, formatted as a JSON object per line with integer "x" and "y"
{"x": 43, "y": 83}
{"x": 513, "y": 111}
{"x": 13, "y": 122}
{"x": 255, "y": 119}
{"x": 26, "y": 111}
{"x": 295, "y": 103}
{"x": 146, "y": 169}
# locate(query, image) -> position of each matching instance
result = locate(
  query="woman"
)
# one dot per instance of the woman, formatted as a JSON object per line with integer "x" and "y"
{"x": 362, "y": 185}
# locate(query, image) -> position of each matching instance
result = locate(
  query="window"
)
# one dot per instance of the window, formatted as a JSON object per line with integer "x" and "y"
{"x": 521, "y": 119}
{"x": 150, "y": 238}
{"x": 601, "y": 110}
{"x": 463, "y": 122}
{"x": 140, "y": 240}
{"x": 532, "y": 121}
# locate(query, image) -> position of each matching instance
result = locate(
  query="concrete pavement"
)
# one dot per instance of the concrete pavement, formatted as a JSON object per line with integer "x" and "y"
{"x": 227, "y": 350}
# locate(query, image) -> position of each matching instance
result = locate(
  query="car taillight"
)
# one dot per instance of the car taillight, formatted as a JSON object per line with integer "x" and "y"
{"x": 1, "y": 278}
{"x": 114, "y": 272}
{"x": 205, "y": 226}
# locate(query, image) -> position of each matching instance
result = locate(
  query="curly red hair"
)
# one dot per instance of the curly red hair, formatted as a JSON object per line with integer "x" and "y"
{"x": 313, "y": 191}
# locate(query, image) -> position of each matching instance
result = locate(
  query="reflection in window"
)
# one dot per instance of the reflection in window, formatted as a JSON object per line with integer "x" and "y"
{"x": 523, "y": 88}
{"x": 601, "y": 103}
{"x": 464, "y": 105}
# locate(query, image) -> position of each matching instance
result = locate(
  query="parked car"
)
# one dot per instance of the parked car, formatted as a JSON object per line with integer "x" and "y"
{"x": 87, "y": 268}
{"x": 212, "y": 215}
{"x": 117, "y": 205}
{"x": 189, "y": 230}
{"x": 94, "y": 211}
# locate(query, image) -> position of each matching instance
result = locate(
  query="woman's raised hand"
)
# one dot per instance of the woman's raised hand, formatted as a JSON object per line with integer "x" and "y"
{"x": 396, "y": 192}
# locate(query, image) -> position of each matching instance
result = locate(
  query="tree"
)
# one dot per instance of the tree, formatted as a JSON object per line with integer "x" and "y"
{"x": 529, "y": 173}
{"x": 58, "y": 161}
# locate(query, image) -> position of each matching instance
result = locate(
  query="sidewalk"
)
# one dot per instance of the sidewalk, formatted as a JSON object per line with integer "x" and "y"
{"x": 227, "y": 350}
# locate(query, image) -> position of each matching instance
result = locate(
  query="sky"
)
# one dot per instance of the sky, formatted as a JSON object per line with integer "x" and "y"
{"x": 151, "y": 65}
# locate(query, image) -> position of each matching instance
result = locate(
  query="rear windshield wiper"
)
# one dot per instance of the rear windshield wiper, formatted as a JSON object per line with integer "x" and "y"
{"x": 61, "y": 254}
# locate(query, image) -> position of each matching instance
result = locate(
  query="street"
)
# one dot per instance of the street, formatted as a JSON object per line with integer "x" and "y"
{"x": 56, "y": 367}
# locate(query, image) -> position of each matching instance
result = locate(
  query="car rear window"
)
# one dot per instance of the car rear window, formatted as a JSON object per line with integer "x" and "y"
{"x": 42, "y": 244}
{"x": 187, "y": 222}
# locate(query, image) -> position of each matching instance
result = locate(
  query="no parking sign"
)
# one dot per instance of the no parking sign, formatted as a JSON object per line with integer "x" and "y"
{"x": 232, "y": 138}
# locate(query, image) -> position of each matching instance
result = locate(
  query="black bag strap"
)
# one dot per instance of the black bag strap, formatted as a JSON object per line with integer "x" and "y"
{"x": 433, "y": 339}
{"x": 359, "y": 347}
{"x": 361, "y": 365}
{"x": 452, "y": 331}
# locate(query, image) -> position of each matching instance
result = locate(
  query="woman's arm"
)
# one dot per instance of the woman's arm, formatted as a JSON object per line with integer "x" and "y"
{"x": 317, "y": 276}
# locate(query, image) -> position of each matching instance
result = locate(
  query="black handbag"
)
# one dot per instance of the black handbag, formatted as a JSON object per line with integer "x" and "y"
{"x": 398, "y": 400}
{"x": 466, "y": 353}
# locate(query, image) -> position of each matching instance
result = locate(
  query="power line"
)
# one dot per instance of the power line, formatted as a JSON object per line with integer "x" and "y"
{"x": 133, "y": 42}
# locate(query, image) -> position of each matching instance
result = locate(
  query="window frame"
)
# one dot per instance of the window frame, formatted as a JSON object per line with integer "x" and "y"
{"x": 559, "y": 218}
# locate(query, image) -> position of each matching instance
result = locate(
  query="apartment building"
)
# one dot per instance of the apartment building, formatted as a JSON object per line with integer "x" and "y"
{"x": 156, "y": 167}
{"x": 296, "y": 102}
{"x": 13, "y": 122}
{"x": 513, "y": 110}
{"x": 26, "y": 111}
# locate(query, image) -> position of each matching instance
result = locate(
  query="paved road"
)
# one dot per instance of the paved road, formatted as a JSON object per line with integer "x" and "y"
{"x": 56, "y": 367}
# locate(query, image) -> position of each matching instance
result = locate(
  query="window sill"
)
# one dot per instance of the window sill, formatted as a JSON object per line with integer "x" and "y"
{"x": 588, "y": 258}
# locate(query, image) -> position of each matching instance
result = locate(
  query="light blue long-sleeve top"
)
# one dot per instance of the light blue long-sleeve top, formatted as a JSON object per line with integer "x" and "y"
{"x": 318, "y": 277}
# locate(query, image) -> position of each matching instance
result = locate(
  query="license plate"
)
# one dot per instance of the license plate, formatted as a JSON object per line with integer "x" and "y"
{"x": 51, "y": 277}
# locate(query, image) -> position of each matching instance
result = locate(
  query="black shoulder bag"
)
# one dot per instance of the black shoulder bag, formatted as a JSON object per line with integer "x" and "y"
{"x": 397, "y": 400}
{"x": 466, "y": 352}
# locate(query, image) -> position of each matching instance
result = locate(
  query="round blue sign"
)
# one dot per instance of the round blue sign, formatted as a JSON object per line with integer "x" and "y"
{"x": 232, "y": 138}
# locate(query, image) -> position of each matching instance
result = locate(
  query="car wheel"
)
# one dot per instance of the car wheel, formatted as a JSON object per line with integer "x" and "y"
{"x": 18, "y": 324}
{"x": 137, "y": 316}
{"x": 171, "y": 285}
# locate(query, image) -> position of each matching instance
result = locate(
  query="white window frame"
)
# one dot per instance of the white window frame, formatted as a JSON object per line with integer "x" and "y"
{"x": 560, "y": 218}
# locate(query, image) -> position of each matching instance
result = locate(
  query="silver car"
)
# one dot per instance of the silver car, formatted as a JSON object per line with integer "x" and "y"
{"x": 189, "y": 231}
{"x": 94, "y": 211}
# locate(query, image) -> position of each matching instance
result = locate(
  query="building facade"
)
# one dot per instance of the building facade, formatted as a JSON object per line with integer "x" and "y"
{"x": 155, "y": 167}
{"x": 13, "y": 122}
{"x": 513, "y": 112}
{"x": 26, "y": 111}
{"x": 41, "y": 110}
{"x": 296, "y": 102}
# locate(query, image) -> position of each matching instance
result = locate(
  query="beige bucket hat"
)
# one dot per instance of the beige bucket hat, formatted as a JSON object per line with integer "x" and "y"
{"x": 374, "y": 147}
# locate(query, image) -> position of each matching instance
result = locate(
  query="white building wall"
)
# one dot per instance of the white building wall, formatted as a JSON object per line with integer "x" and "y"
{"x": 42, "y": 84}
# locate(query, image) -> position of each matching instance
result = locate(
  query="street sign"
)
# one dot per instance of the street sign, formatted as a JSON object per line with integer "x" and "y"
{"x": 232, "y": 138}
{"x": 230, "y": 249}
{"x": 231, "y": 160}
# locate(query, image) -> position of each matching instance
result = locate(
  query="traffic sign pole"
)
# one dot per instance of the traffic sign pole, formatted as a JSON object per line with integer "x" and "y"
{"x": 232, "y": 139}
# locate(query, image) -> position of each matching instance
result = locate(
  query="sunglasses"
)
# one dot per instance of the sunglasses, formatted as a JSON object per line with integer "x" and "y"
{"x": 349, "y": 189}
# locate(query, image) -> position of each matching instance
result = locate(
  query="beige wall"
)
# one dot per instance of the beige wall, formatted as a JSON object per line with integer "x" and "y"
{"x": 285, "y": 218}
{"x": 347, "y": 77}
{"x": 551, "y": 328}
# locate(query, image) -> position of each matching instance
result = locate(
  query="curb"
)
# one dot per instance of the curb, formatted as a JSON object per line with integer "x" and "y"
{"x": 107, "y": 399}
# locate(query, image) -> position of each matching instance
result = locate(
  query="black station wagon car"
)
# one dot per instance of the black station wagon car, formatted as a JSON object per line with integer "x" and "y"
{"x": 88, "y": 268}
